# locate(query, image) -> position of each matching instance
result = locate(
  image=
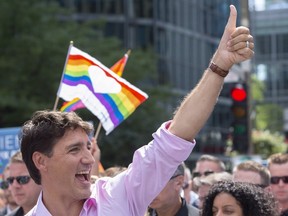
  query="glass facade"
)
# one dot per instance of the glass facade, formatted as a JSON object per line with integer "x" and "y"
{"x": 271, "y": 39}
{"x": 269, "y": 23}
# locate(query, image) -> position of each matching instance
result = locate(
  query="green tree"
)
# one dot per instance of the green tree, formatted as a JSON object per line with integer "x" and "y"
{"x": 267, "y": 136}
{"x": 34, "y": 41}
{"x": 268, "y": 116}
{"x": 267, "y": 143}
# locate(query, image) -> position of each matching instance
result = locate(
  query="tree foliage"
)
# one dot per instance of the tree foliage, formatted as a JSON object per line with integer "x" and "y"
{"x": 267, "y": 136}
{"x": 34, "y": 40}
{"x": 266, "y": 143}
{"x": 268, "y": 116}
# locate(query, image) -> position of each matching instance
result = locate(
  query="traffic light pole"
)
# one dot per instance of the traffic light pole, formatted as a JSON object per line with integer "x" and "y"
{"x": 249, "y": 110}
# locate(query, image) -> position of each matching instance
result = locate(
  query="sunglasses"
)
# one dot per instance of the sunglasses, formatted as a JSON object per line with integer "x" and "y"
{"x": 276, "y": 179}
{"x": 4, "y": 185}
{"x": 261, "y": 185}
{"x": 20, "y": 179}
{"x": 198, "y": 174}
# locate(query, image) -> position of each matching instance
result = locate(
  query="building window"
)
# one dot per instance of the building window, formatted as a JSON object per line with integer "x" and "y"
{"x": 282, "y": 48}
{"x": 263, "y": 45}
{"x": 143, "y": 8}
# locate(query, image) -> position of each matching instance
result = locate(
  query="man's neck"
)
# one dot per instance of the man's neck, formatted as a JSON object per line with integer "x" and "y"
{"x": 171, "y": 211}
{"x": 11, "y": 206}
{"x": 61, "y": 207}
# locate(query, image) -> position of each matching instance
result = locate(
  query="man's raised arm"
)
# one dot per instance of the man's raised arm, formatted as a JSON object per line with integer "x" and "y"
{"x": 236, "y": 45}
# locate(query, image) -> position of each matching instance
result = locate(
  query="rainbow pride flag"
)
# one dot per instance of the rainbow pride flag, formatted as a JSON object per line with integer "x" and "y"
{"x": 72, "y": 105}
{"x": 76, "y": 103}
{"x": 108, "y": 96}
{"x": 119, "y": 66}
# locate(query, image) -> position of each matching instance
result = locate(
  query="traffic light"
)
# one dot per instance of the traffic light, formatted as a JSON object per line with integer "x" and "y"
{"x": 239, "y": 96}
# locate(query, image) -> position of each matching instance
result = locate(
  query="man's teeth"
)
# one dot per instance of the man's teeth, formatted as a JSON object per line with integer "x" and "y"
{"x": 83, "y": 173}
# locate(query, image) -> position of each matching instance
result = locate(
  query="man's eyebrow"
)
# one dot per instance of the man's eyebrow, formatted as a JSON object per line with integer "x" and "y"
{"x": 78, "y": 144}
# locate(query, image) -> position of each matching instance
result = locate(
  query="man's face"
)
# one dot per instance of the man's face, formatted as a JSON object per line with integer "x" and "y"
{"x": 202, "y": 193}
{"x": 25, "y": 195}
{"x": 204, "y": 167}
{"x": 67, "y": 172}
{"x": 7, "y": 192}
{"x": 279, "y": 190}
{"x": 168, "y": 197}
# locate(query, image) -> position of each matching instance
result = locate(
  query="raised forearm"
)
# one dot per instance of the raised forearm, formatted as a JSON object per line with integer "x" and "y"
{"x": 198, "y": 105}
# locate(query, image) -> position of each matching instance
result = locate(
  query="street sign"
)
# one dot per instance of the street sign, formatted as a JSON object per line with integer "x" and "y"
{"x": 9, "y": 145}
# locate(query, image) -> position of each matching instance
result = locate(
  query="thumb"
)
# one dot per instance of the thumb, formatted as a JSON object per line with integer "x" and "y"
{"x": 231, "y": 24}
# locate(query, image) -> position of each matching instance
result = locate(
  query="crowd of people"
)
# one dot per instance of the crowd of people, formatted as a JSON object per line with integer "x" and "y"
{"x": 250, "y": 189}
{"x": 56, "y": 171}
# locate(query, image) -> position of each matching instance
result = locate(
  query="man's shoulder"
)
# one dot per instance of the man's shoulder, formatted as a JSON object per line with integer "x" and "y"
{"x": 3, "y": 211}
{"x": 16, "y": 212}
{"x": 192, "y": 211}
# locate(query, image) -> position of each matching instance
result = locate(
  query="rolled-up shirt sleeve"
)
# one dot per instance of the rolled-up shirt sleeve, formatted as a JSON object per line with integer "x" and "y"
{"x": 150, "y": 170}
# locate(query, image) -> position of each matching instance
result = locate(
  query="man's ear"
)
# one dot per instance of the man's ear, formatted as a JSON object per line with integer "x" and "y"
{"x": 40, "y": 160}
{"x": 179, "y": 181}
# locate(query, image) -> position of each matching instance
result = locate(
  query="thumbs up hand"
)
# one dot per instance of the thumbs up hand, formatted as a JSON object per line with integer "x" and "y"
{"x": 236, "y": 44}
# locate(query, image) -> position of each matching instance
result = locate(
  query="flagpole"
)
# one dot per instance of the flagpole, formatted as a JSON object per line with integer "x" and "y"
{"x": 57, "y": 98}
{"x": 98, "y": 130}
{"x": 128, "y": 52}
{"x": 56, "y": 103}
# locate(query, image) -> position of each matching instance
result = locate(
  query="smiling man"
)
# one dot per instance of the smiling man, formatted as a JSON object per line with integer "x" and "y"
{"x": 56, "y": 147}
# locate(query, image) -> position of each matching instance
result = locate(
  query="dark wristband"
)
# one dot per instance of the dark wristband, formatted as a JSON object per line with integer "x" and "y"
{"x": 218, "y": 70}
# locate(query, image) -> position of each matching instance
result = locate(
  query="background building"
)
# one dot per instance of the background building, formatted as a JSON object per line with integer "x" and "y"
{"x": 184, "y": 35}
{"x": 269, "y": 23}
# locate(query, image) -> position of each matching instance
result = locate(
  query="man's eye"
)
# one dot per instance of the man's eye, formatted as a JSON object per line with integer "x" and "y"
{"x": 74, "y": 150}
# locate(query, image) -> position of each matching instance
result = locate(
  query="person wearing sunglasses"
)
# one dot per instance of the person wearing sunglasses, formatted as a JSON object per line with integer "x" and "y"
{"x": 252, "y": 172}
{"x": 169, "y": 201}
{"x": 208, "y": 164}
{"x": 205, "y": 166}
{"x": 278, "y": 167}
{"x": 23, "y": 189}
{"x": 10, "y": 202}
{"x": 56, "y": 146}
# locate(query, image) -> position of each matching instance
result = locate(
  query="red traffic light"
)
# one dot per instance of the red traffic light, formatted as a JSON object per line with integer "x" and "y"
{"x": 238, "y": 93}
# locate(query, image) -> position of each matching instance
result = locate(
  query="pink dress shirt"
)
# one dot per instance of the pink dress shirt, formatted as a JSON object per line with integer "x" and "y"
{"x": 130, "y": 193}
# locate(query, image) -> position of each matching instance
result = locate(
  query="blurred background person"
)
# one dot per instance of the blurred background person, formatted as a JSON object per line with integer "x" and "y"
{"x": 169, "y": 202}
{"x": 205, "y": 165}
{"x": 113, "y": 171}
{"x": 252, "y": 172}
{"x": 2, "y": 200}
{"x": 10, "y": 204}
{"x": 278, "y": 167}
{"x": 207, "y": 182}
{"x": 24, "y": 190}
{"x": 208, "y": 164}
{"x": 239, "y": 199}
{"x": 187, "y": 193}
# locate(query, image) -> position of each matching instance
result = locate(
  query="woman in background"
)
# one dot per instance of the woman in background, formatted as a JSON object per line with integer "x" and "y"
{"x": 239, "y": 199}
